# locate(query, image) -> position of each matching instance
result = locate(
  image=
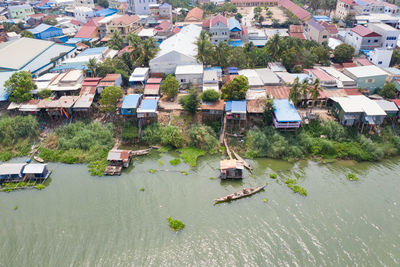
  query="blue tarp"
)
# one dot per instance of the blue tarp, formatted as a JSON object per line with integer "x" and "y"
{"x": 322, "y": 18}
{"x": 233, "y": 70}
{"x": 285, "y": 112}
{"x": 105, "y": 12}
{"x": 236, "y": 106}
{"x": 149, "y": 105}
{"x": 76, "y": 66}
{"x": 130, "y": 101}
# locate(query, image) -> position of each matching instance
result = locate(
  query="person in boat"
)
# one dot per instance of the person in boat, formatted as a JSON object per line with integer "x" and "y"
{"x": 244, "y": 190}
{"x": 229, "y": 197}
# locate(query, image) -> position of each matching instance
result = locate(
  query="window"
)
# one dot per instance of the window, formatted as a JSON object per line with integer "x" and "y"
{"x": 324, "y": 36}
{"x": 376, "y": 40}
{"x": 370, "y": 81}
{"x": 379, "y": 62}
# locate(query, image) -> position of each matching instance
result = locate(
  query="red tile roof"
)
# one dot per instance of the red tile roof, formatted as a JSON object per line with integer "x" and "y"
{"x": 219, "y": 18}
{"x": 331, "y": 28}
{"x": 352, "y": 91}
{"x": 195, "y": 14}
{"x": 321, "y": 75}
{"x": 296, "y": 28}
{"x": 278, "y": 92}
{"x": 364, "y": 32}
{"x": 163, "y": 26}
{"x": 217, "y": 105}
{"x": 126, "y": 19}
{"x": 126, "y": 49}
{"x": 154, "y": 80}
{"x": 91, "y": 81}
{"x": 349, "y": 2}
{"x": 75, "y": 22}
{"x": 363, "y": 62}
{"x": 206, "y": 23}
{"x": 396, "y": 101}
{"x": 299, "y": 12}
{"x": 94, "y": 21}
{"x": 297, "y": 35}
{"x": 86, "y": 32}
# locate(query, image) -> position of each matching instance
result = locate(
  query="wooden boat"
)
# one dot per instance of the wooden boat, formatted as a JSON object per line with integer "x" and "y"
{"x": 140, "y": 152}
{"x": 38, "y": 159}
{"x": 113, "y": 170}
{"x": 245, "y": 192}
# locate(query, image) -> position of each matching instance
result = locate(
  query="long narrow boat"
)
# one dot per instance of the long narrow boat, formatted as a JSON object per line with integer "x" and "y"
{"x": 245, "y": 192}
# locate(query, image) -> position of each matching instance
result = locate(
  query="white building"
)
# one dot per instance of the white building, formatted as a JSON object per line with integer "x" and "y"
{"x": 210, "y": 80}
{"x": 189, "y": 75}
{"x": 390, "y": 35}
{"x": 180, "y": 49}
{"x": 381, "y": 57}
{"x": 140, "y": 7}
{"x": 362, "y": 38}
{"x": 85, "y": 3}
{"x": 83, "y": 14}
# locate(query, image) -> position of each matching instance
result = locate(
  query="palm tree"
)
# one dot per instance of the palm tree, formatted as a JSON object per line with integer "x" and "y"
{"x": 295, "y": 94}
{"x": 204, "y": 47}
{"x": 273, "y": 46}
{"x": 304, "y": 90}
{"x": 148, "y": 50}
{"x": 315, "y": 90}
{"x": 116, "y": 42}
{"x": 221, "y": 54}
{"x": 92, "y": 66}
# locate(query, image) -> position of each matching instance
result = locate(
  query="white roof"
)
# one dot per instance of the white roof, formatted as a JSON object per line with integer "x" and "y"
{"x": 358, "y": 104}
{"x": 72, "y": 76}
{"x": 34, "y": 168}
{"x": 146, "y": 33}
{"x": 46, "y": 77}
{"x": 11, "y": 168}
{"x": 333, "y": 43}
{"x": 139, "y": 75}
{"x": 366, "y": 71}
{"x": 339, "y": 76}
{"x": 182, "y": 42}
{"x": 384, "y": 26}
{"x": 252, "y": 76}
{"x": 387, "y": 105}
{"x": 109, "y": 18}
{"x": 210, "y": 86}
{"x": 210, "y": 76}
{"x": 189, "y": 69}
{"x": 268, "y": 76}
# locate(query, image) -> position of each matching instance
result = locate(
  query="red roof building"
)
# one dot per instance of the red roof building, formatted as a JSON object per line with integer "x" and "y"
{"x": 364, "y": 32}
{"x": 253, "y": 3}
{"x": 194, "y": 15}
{"x": 297, "y": 31}
{"x": 218, "y": 18}
{"x": 299, "y": 12}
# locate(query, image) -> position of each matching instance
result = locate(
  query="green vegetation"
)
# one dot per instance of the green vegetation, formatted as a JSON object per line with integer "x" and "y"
{"x": 190, "y": 155}
{"x": 343, "y": 53}
{"x": 141, "y": 189}
{"x": 326, "y": 140}
{"x": 170, "y": 86}
{"x": 190, "y": 102}
{"x": 175, "y": 162}
{"x": 210, "y": 96}
{"x": 129, "y": 132}
{"x": 204, "y": 138}
{"x": 160, "y": 162}
{"x": 292, "y": 184}
{"x": 19, "y": 86}
{"x": 184, "y": 172}
{"x": 265, "y": 200}
{"x": 169, "y": 135}
{"x": 97, "y": 168}
{"x": 273, "y": 175}
{"x": 17, "y": 135}
{"x": 116, "y": 41}
{"x": 236, "y": 89}
{"x": 164, "y": 149}
{"x": 175, "y": 225}
{"x": 351, "y": 177}
{"x": 40, "y": 186}
{"x": 388, "y": 90}
{"x": 15, "y": 208}
{"x": 212, "y": 178}
{"x": 395, "y": 58}
{"x": 45, "y": 93}
{"x": 8, "y": 187}
{"x": 110, "y": 97}
{"x": 152, "y": 171}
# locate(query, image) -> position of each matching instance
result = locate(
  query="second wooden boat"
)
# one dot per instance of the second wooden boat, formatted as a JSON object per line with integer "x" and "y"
{"x": 245, "y": 192}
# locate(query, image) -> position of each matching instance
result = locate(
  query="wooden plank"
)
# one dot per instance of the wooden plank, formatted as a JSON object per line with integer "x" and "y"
{"x": 222, "y": 136}
{"x": 227, "y": 149}
{"x": 239, "y": 158}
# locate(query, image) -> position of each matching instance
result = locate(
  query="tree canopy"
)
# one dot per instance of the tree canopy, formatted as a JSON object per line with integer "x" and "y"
{"x": 190, "y": 102}
{"x": 170, "y": 86}
{"x": 19, "y": 86}
{"x": 110, "y": 97}
{"x": 236, "y": 89}
{"x": 388, "y": 91}
{"x": 210, "y": 96}
{"x": 343, "y": 53}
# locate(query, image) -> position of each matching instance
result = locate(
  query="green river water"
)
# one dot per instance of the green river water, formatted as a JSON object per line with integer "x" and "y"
{"x": 80, "y": 220}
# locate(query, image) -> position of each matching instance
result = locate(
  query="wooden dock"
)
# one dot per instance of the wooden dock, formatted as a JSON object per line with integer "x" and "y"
{"x": 228, "y": 151}
{"x": 239, "y": 158}
{"x": 222, "y": 136}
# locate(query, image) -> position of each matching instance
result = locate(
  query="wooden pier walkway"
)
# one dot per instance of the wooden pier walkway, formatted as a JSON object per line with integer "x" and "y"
{"x": 222, "y": 136}
{"x": 239, "y": 158}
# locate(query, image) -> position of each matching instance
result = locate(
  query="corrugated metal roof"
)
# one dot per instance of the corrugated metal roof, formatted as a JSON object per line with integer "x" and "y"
{"x": 11, "y": 168}
{"x": 148, "y": 105}
{"x": 236, "y": 106}
{"x": 130, "y": 101}
{"x": 284, "y": 111}
{"x": 34, "y": 168}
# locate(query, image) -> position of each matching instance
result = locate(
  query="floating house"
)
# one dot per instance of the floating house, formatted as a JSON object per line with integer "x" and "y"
{"x": 147, "y": 111}
{"x": 35, "y": 171}
{"x": 11, "y": 172}
{"x": 231, "y": 169}
{"x": 117, "y": 159}
{"x": 285, "y": 115}
{"x": 130, "y": 103}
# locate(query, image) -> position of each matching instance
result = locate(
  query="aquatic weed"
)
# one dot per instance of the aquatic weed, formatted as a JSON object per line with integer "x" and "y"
{"x": 152, "y": 171}
{"x": 351, "y": 177}
{"x": 175, "y": 225}
{"x": 175, "y": 161}
{"x": 141, "y": 189}
{"x": 160, "y": 162}
{"x": 273, "y": 175}
{"x": 266, "y": 200}
{"x": 184, "y": 172}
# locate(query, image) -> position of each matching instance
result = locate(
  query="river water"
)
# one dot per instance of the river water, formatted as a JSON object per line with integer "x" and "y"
{"x": 80, "y": 220}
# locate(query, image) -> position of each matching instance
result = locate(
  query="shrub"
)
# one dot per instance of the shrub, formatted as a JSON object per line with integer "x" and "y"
{"x": 129, "y": 132}
{"x": 352, "y": 177}
{"x": 175, "y": 225}
{"x": 203, "y": 137}
{"x": 190, "y": 102}
{"x": 97, "y": 168}
{"x": 13, "y": 129}
{"x": 333, "y": 131}
{"x": 210, "y": 96}
{"x": 152, "y": 134}
{"x": 170, "y": 135}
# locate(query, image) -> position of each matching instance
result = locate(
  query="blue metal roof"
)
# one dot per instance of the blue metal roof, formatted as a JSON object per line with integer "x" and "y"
{"x": 233, "y": 70}
{"x": 285, "y": 112}
{"x": 234, "y": 25}
{"x": 130, "y": 101}
{"x": 214, "y": 68}
{"x": 72, "y": 66}
{"x": 322, "y": 18}
{"x": 236, "y": 43}
{"x": 77, "y": 40}
{"x": 42, "y": 27}
{"x": 105, "y": 12}
{"x": 93, "y": 51}
{"x": 236, "y": 106}
{"x": 149, "y": 105}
